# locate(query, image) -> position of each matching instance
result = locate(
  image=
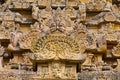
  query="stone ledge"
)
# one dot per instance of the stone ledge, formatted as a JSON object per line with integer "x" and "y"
{"x": 99, "y": 75}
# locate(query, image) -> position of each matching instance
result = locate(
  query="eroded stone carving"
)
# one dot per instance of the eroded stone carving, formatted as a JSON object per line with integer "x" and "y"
{"x": 101, "y": 41}
{"x": 56, "y": 3}
{"x": 111, "y": 35}
{"x": 20, "y": 4}
{"x": 97, "y": 5}
{"x": 2, "y": 50}
{"x": 35, "y": 11}
{"x": 59, "y": 38}
{"x": 72, "y": 3}
{"x": 44, "y": 3}
{"x": 82, "y": 11}
{"x": 70, "y": 12}
{"x": 6, "y": 28}
{"x": 116, "y": 50}
{"x": 27, "y": 38}
{"x": 15, "y": 35}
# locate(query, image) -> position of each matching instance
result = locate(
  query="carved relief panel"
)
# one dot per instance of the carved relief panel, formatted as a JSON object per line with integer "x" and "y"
{"x": 56, "y": 70}
{"x": 6, "y": 29}
{"x": 82, "y": 11}
{"x": 70, "y": 71}
{"x": 20, "y": 4}
{"x": 43, "y": 70}
{"x": 111, "y": 35}
{"x": 8, "y": 16}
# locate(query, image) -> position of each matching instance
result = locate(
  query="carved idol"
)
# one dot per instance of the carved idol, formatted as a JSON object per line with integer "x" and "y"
{"x": 82, "y": 12}
{"x": 101, "y": 40}
{"x": 56, "y": 70}
{"x": 35, "y": 11}
{"x": 15, "y": 35}
{"x": 91, "y": 38}
{"x": 111, "y": 35}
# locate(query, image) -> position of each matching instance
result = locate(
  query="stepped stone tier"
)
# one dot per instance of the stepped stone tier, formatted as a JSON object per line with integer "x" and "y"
{"x": 59, "y": 40}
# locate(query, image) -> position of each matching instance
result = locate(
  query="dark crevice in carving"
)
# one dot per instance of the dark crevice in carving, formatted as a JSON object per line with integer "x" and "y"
{"x": 2, "y": 1}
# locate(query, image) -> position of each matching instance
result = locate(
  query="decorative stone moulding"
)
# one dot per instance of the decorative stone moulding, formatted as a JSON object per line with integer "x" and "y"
{"x": 43, "y": 3}
{"x": 58, "y": 39}
{"x": 110, "y": 17}
{"x": 20, "y": 4}
{"x": 116, "y": 51}
{"x": 58, "y": 3}
{"x": 95, "y": 5}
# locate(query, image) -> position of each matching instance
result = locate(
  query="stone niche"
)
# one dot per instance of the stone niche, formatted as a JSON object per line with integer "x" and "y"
{"x": 43, "y": 70}
{"x": 56, "y": 70}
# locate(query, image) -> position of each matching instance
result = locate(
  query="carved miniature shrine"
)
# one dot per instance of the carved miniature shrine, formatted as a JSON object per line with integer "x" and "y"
{"x": 60, "y": 40}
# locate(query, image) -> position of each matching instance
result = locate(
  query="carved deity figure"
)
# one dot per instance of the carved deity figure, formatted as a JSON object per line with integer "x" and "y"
{"x": 68, "y": 71}
{"x": 109, "y": 27}
{"x": 15, "y": 35}
{"x": 35, "y": 11}
{"x": 82, "y": 12}
{"x": 111, "y": 36}
{"x": 91, "y": 38}
{"x": 81, "y": 30}
{"x": 69, "y": 28}
{"x": 56, "y": 70}
{"x": 101, "y": 40}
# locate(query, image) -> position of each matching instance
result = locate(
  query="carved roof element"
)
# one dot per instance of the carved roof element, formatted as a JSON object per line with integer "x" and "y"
{"x": 110, "y": 16}
{"x": 61, "y": 36}
{"x": 97, "y": 5}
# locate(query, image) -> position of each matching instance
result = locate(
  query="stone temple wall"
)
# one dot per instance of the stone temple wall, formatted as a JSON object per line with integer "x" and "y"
{"x": 59, "y": 39}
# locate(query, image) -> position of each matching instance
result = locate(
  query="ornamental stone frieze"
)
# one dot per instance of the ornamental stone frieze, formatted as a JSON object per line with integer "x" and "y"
{"x": 59, "y": 40}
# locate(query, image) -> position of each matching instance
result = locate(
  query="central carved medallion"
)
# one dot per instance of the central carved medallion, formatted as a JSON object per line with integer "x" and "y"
{"x": 55, "y": 46}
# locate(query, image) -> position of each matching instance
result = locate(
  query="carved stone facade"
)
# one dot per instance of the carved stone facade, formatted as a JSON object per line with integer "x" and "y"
{"x": 59, "y": 39}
